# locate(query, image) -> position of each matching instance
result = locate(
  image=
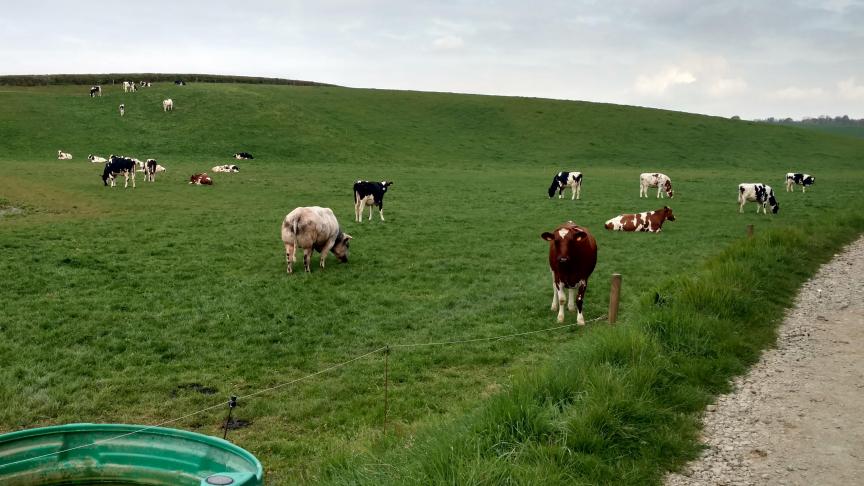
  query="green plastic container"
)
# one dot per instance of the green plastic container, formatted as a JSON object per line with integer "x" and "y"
{"x": 155, "y": 456}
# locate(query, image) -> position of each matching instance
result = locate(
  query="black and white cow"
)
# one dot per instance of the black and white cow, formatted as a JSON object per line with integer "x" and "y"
{"x": 117, "y": 165}
{"x": 150, "y": 170}
{"x": 243, "y": 156}
{"x": 122, "y": 109}
{"x": 96, "y": 159}
{"x": 95, "y": 91}
{"x": 180, "y": 82}
{"x": 803, "y": 180}
{"x": 229, "y": 168}
{"x": 564, "y": 179}
{"x": 371, "y": 193}
{"x": 759, "y": 193}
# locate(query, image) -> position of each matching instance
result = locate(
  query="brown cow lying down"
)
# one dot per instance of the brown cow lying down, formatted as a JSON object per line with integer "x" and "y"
{"x": 201, "y": 179}
{"x": 650, "y": 221}
{"x": 572, "y": 257}
{"x": 313, "y": 228}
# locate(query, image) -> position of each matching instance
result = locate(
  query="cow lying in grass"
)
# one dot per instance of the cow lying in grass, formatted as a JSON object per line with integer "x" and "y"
{"x": 96, "y": 159}
{"x": 650, "y": 221}
{"x": 201, "y": 179}
{"x": 229, "y": 168}
{"x": 313, "y": 228}
{"x": 61, "y": 155}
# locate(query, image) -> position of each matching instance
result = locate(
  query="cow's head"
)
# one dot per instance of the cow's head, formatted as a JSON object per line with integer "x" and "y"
{"x": 386, "y": 184}
{"x": 772, "y": 201}
{"x": 554, "y": 187}
{"x": 667, "y": 214}
{"x": 340, "y": 248}
{"x": 668, "y": 188}
{"x": 559, "y": 241}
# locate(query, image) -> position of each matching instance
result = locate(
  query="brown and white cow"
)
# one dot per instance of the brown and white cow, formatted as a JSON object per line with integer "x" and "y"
{"x": 650, "y": 221}
{"x": 201, "y": 179}
{"x": 655, "y": 179}
{"x": 313, "y": 228}
{"x": 572, "y": 258}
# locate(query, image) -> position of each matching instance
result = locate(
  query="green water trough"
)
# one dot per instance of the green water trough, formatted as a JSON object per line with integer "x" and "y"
{"x": 116, "y": 454}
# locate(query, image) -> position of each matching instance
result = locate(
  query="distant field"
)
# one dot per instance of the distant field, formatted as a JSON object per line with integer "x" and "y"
{"x": 123, "y": 305}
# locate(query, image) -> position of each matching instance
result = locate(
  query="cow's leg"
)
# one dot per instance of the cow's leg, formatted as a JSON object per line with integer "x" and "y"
{"x": 370, "y": 211}
{"x": 554, "y": 294}
{"x": 580, "y": 318}
{"x": 740, "y": 207}
{"x": 125, "y": 180}
{"x": 381, "y": 213}
{"x": 289, "y": 256}
{"x": 358, "y": 210}
{"x": 570, "y": 305}
{"x": 561, "y": 300}
{"x": 307, "y": 259}
{"x": 133, "y": 179}
{"x": 325, "y": 251}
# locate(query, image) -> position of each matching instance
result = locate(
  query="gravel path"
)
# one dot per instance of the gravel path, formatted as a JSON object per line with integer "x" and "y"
{"x": 797, "y": 418}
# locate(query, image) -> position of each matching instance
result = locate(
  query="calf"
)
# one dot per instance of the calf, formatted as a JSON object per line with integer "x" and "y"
{"x": 759, "y": 193}
{"x": 201, "y": 179}
{"x": 572, "y": 258}
{"x": 122, "y": 109}
{"x": 96, "y": 159}
{"x": 243, "y": 156}
{"x": 655, "y": 179}
{"x": 150, "y": 170}
{"x": 650, "y": 221}
{"x": 371, "y": 193}
{"x": 61, "y": 155}
{"x": 313, "y": 228}
{"x": 119, "y": 165}
{"x": 226, "y": 168}
{"x": 95, "y": 91}
{"x": 180, "y": 82}
{"x": 564, "y": 179}
{"x": 803, "y": 180}
{"x": 168, "y": 105}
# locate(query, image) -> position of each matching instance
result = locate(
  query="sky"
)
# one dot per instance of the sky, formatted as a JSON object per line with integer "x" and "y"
{"x": 754, "y": 59}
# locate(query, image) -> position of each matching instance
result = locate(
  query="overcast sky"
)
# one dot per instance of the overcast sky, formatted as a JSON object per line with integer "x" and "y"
{"x": 753, "y": 58}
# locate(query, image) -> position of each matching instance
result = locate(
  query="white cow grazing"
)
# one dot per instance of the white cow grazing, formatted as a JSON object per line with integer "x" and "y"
{"x": 61, "y": 155}
{"x": 759, "y": 193}
{"x": 655, "y": 179}
{"x": 168, "y": 105}
{"x": 129, "y": 87}
{"x": 96, "y": 159}
{"x": 315, "y": 228}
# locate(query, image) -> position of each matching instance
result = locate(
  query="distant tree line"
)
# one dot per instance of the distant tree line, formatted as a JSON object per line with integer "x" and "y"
{"x": 823, "y": 120}
{"x": 90, "y": 79}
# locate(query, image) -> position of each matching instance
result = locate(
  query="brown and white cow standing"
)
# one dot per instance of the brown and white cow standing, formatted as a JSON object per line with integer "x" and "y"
{"x": 572, "y": 258}
{"x": 313, "y": 228}
{"x": 650, "y": 221}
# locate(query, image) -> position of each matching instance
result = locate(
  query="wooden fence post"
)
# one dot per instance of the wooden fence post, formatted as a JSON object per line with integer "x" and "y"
{"x": 749, "y": 231}
{"x": 614, "y": 295}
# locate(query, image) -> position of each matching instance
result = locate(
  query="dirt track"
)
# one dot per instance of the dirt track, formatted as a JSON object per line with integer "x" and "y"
{"x": 797, "y": 418}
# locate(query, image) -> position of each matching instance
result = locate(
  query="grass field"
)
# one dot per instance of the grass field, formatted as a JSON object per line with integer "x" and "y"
{"x": 125, "y": 305}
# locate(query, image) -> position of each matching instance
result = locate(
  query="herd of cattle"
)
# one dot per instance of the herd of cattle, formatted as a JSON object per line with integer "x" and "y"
{"x": 572, "y": 248}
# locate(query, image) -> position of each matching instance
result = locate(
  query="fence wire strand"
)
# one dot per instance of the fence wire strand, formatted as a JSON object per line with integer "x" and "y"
{"x": 288, "y": 383}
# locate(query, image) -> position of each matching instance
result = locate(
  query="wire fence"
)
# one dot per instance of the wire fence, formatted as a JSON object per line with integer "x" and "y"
{"x": 383, "y": 349}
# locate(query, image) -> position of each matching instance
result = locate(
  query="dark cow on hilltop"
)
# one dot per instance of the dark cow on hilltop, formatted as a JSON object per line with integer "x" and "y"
{"x": 759, "y": 193}
{"x": 371, "y": 193}
{"x": 572, "y": 258}
{"x": 797, "y": 178}
{"x": 650, "y": 221}
{"x": 564, "y": 179}
{"x": 243, "y": 156}
{"x": 313, "y": 228}
{"x": 95, "y": 91}
{"x": 117, "y": 165}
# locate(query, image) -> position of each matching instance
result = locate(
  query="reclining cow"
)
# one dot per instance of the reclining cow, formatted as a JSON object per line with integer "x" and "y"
{"x": 648, "y": 221}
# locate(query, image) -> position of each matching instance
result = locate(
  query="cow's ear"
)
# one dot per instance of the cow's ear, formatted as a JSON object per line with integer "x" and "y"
{"x": 579, "y": 234}
{"x": 547, "y": 236}
{"x": 346, "y": 236}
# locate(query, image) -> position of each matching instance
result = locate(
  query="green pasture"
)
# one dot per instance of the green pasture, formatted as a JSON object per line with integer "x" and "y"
{"x": 144, "y": 305}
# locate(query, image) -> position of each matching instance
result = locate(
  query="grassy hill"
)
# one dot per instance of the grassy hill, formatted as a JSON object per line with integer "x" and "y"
{"x": 144, "y": 305}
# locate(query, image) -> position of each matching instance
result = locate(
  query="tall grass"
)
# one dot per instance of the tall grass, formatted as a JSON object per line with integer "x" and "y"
{"x": 621, "y": 405}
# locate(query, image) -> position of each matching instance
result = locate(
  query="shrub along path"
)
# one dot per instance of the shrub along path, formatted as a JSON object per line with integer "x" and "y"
{"x": 795, "y": 418}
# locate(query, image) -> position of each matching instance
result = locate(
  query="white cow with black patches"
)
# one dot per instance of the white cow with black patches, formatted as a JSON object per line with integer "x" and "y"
{"x": 761, "y": 194}
{"x": 564, "y": 179}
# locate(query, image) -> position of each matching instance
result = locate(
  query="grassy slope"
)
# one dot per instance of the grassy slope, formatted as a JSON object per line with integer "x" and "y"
{"x": 114, "y": 298}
